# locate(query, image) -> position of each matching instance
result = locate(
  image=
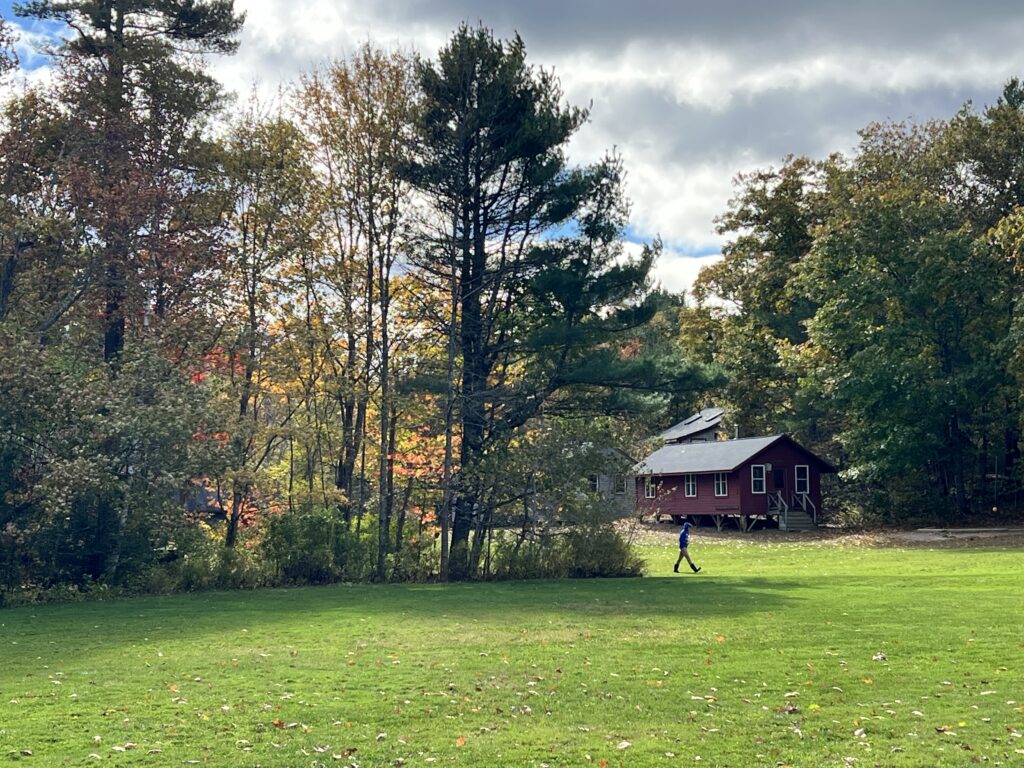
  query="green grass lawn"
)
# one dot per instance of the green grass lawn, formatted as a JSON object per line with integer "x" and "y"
{"x": 764, "y": 659}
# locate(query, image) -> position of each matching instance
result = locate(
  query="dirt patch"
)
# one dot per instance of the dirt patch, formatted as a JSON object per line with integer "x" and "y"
{"x": 982, "y": 535}
{"x": 666, "y": 534}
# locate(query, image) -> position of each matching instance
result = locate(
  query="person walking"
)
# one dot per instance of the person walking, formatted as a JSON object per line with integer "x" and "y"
{"x": 684, "y": 542}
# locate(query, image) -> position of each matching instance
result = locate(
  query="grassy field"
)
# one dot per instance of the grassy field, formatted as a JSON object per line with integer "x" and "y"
{"x": 777, "y": 654}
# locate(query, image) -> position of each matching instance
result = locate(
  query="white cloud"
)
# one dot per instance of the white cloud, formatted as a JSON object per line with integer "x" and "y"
{"x": 674, "y": 270}
{"x": 690, "y": 100}
{"x": 678, "y": 202}
{"x": 35, "y": 67}
{"x": 677, "y": 271}
{"x": 690, "y": 94}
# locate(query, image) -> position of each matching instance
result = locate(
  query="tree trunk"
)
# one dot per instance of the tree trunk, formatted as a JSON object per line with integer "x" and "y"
{"x": 114, "y": 561}
{"x": 115, "y": 242}
{"x": 447, "y": 479}
{"x": 474, "y": 383}
{"x": 402, "y": 511}
{"x": 113, "y": 319}
{"x": 234, "y": 516}
{"x": 7, "y": 282}
{"x": 387, "y": 438}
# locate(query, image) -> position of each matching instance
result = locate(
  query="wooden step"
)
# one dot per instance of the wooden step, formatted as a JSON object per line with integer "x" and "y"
{"x": 797, "y": 520}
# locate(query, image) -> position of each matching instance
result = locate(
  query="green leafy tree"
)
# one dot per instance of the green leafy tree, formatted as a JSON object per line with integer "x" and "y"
{"x": 985, "y": 151}
{"x": 771, "y": 221}
{"x": 271, "y": 179}
{"x": 906, "y": 326}
{"x": 93, "y": 466}
{"x": 359, "y": 114}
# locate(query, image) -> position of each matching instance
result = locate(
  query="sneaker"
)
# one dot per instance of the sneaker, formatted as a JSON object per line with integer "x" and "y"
{"x": 697, "y": 569}
{"x": 675, "y": 568}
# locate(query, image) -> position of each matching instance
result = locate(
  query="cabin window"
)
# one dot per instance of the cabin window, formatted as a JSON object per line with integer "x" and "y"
{"x": 757, "y": 478}
{"x": 690, "y": 486}
{"x": 648, "y": 487}
{"x": 594, "y": 482}
{"x": 620, "y": 485}
{"x": 803, "y": 479}
{"x": 721, "y": 484}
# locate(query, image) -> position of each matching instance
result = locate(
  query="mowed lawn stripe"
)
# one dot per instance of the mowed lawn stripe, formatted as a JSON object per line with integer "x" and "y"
{"x": 799, "y": 654}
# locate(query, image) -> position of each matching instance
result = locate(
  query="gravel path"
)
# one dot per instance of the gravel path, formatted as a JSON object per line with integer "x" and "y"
{"x": 666, "y": 534}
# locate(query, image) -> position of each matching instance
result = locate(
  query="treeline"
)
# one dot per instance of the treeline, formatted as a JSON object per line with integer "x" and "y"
{"x": 870, "y": 304}
{"x": 379, "y": 327}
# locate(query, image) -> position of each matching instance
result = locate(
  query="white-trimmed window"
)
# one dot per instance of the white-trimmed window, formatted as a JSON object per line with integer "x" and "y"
{"x": 721, "y": 483}
{"x": 620, "y": 485}
{"x": 594, "y": 482}
{"x": 648, "y": 487}
{"x": 757, "y": 484}
{"x": 803, "y": 479}
{"x": 690, "y": 486}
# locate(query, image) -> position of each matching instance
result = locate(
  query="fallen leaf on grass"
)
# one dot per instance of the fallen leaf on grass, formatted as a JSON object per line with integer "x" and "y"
{"x": 624, "y": 745}
{"x": 460, "y": 742}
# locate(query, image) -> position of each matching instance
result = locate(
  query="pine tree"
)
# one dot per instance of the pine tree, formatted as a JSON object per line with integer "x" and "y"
{"x": 532, "y": 254}
{"x": 132, "y": 82}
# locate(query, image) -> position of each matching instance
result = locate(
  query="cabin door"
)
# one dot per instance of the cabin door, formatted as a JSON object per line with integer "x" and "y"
{"x": 779, "y": 479}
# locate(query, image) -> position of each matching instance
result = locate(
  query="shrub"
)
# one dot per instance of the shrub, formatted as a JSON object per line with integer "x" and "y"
{"x": 600, "y": 551}
{"x": 577, "y": 551}
{"x": 315, "y": 547}
{"x": 418, "y": 560}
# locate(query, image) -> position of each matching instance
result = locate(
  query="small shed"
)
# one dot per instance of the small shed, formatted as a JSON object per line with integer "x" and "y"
{"x": 771, "y": 478}
{"x": 699, "y": 428}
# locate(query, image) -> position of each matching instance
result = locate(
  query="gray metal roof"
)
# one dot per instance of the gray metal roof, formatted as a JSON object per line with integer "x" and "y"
{"x": 719, "y": 456}
{"x": 699, "y": 422}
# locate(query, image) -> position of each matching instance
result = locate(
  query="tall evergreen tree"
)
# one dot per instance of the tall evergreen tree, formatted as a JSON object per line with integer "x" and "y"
{"x": 531, "y": 251}
{"x": 138, "y": 98}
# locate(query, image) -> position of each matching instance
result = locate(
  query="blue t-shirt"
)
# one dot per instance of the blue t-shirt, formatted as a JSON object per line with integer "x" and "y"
{"x": 684, "y": 536}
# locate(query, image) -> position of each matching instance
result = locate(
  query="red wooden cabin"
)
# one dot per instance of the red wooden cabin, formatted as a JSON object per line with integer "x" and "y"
{"x": 770, "y": 478}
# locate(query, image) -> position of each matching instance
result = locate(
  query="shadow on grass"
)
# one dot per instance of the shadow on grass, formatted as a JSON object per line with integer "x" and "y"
{"x": 221, "y": 616}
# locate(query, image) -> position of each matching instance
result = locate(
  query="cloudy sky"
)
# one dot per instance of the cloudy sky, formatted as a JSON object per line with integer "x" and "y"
{"x": 691, "y": 93}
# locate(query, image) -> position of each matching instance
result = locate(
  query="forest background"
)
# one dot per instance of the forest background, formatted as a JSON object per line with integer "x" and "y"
{"x": 383, "y": 328}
